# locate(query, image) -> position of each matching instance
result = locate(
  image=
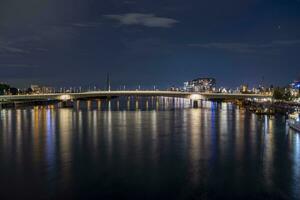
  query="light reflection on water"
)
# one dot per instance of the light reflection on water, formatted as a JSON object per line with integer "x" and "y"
{"x": 156, "y": 148}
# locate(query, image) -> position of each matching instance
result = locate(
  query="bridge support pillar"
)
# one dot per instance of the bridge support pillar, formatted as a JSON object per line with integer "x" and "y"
{"x": 118, "y": 104}
{"x": 99, "y": 104}
{"x": 136, "y": 104}
{"x": 67, "y": 104}
{"x": 109, "y": 104}
{"x": 195, "y": 104}
{"x": 201, "y": 103}
{"x": 128, "y": 103}
{"x": 77, "y": 104}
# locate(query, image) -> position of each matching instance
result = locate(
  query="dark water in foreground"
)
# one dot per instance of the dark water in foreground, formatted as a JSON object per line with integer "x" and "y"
{"x": 214, "y": 152}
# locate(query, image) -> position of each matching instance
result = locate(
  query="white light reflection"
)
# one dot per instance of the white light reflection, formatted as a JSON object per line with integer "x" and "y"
{"x": 108, "y": 120}
{"x": 99, "y": 104}
{"x": 296, "y": 163}
{"x": 50, "y": 139}
{"x": 18, "y": 136}
{"x": 95, "y": 130}
{"x": 65, "y": 148}
{"x": 138, "y": 128}
{"x": 123, "y": 124}
{"x": 239, "y": 133}
{"x": 194, "y": 144}
{"x": 268, "y": 150}
{"x": 80, "y": 127}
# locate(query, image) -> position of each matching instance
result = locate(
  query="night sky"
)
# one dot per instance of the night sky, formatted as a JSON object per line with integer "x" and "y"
{"x": 149, "y": 42}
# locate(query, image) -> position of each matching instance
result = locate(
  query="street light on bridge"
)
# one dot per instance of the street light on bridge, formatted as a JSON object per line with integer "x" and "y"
{"x": 65, "y": 97}
{"x": 195, "y": 96}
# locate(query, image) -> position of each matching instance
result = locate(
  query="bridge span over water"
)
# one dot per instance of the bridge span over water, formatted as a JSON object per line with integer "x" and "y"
{"x": 139, "y": 93}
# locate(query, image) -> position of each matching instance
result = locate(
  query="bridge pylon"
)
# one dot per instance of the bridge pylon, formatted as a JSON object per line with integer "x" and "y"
{"x": 108, "y": 82}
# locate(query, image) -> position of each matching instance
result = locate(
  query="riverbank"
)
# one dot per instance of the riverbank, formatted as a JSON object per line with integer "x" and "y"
{"x": 272, "y": 108}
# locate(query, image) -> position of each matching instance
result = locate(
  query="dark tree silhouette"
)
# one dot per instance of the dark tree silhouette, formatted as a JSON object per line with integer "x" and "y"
{"x": 3, "y": 88}
{"x": 282, "y": 94}
{"x": 14, "y": 91}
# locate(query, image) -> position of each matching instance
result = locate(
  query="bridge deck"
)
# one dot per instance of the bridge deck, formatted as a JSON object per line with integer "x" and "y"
{"x": 99, "y": 94}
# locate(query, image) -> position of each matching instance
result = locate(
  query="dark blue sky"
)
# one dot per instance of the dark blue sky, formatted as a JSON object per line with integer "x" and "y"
{"x": 143, "y": 42}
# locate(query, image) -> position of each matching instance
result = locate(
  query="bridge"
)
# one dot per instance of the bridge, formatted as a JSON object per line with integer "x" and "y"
{"x": 140, "y": 93}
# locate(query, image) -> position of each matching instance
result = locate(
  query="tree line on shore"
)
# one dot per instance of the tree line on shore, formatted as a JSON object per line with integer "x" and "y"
{"x": 4, "y": 88}
{"x": 7, "y": 89}
{"x": 281, "y": 93}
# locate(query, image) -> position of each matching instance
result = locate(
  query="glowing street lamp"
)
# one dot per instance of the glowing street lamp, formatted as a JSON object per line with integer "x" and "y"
{"x": 65, "y": 97}
{"x": 195, "y": 96}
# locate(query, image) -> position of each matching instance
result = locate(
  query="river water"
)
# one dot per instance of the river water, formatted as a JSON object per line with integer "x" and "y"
{"x": 146, "y": 149}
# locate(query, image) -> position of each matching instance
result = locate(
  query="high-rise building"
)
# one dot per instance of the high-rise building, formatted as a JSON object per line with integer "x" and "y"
{"x": 295, "y": 88}
{"x": 200, "y": 85}
{"x": 296, "y": 84}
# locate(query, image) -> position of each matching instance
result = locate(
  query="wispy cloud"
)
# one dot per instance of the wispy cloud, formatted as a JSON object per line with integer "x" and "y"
{"x": 41, "y": 39}
{"x": 87, "y": 24}
{"x": 7, "y": 48}
{"x": 18, "y": 45}
{"x": 270, "y": 47}
{"x": 149, "y": 20}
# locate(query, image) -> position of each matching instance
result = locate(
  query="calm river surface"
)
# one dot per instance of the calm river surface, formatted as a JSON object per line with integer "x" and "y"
{"x": 145, "y": 150}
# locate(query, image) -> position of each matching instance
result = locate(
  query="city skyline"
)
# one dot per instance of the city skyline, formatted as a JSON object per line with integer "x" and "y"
{"x": 63, "y": 43}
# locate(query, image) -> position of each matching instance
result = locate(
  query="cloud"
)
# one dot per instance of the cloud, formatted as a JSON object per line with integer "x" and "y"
{"x": 149, "y": 20}
{"x": 6, "y": 48}
{"x": 286, "y": 42}
{"x": 270, "y": 47}
{"x": 18, "y": 45}
{"x": 41, "y": 39}
{"x": 87, "y": 25}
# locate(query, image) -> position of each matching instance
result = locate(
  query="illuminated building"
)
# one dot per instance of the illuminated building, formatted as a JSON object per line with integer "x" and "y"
{"x": 296, "y": 85}
{"x": 295, "y": 88}
{"x": 244, "y": 89}
{"x": 200, "y": 85}
{"x": 41, "y": 89}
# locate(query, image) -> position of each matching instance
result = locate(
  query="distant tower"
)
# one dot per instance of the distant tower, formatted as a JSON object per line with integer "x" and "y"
{"x": 108, "y": 82}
